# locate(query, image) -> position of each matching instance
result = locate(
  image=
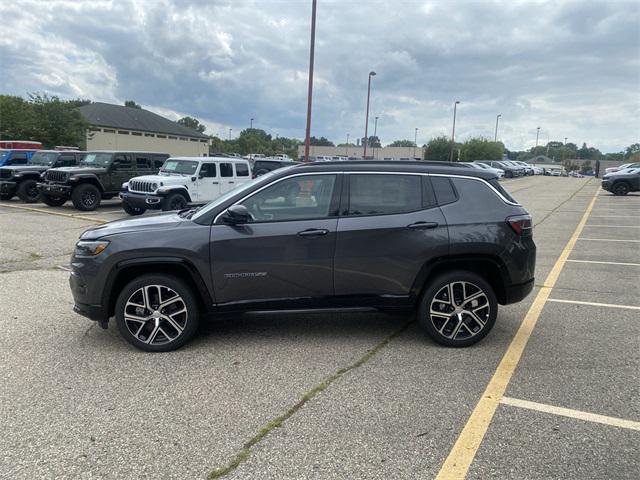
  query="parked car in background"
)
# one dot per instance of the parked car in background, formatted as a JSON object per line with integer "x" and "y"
{"x": 22, "y": 180}
{"x": 498, "y": 171}
{"x": 510, "y": 171}
{"x": 522, "y": 169}
{"x": 20, "y": 145}
{"x": 367, "y": 235}
{"x": 266, "y": 165}
{"x": 623, "y": 181}
{"x": 282, "y": 156}
{"x": 529, "y": 170}
{"x": 616, "y": 169}
{"x": 555, "y": 171}
{"x": 184, "y": 181}
{"x": 99, "y": 175}
{"x": 19, "y": 156}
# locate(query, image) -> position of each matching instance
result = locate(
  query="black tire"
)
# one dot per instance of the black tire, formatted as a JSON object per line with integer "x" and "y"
{"x": 5, "y": 196}
{"x": 620, "y": 189}
{"x": 28, "y": 191}
{"x": 162, "y": 341}
{"x": 52, "y": 201}
{"x": 174, "y": 201}
{"x": 86, "y": 197}
{"x": 442, "y": 328}
{"x": 131, "y": 210}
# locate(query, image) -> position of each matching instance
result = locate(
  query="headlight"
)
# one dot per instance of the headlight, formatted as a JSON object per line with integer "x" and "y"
{"x": 154, "y": 186}
{"x": 73, "y": 178}
{"x": 43, "y": 175}
{"x": 87, "y": 248}
{"x": 125, "y": 186}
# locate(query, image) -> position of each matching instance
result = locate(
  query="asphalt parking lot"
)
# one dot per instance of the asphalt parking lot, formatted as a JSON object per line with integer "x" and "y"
{"x": 552, "y": 392}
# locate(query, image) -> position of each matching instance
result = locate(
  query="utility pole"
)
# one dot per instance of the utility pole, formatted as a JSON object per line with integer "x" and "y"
{"x": 453, "y": 132}
{"x": 375, "y": 135}
{"x": 230, "y": 133}
{"x": 307, "y": 139}
{"x": 495, "y": 137}
{"x": 415, "y": 142}
{"x": 346, "y": 150}
{"x": 366, "y": 118}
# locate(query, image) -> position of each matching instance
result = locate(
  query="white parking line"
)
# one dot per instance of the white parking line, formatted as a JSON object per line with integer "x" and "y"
{"x": 609, "y": 216}
{"x": 594, "y": 304}
{"x": 607, "y": 240}
{"x": 614, "y": 226}
{"x": 568, "y": 412}
{"x": 605, "y": 263}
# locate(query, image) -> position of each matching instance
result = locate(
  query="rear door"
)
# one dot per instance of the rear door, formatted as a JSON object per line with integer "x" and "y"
{"x": 227, "y": 178}
{"x": 122, "y": 169}
{"x": 389, "y": 227}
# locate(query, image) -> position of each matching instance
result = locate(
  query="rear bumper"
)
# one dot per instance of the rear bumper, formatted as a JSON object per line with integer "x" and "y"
{"x": 54, "y": 189}
{"x": 7, "y": 187}
{"x": 516, "y": 293}
{"x": 139, "y": 200}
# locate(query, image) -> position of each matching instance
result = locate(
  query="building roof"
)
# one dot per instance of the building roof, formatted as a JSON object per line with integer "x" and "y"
{"x": 118, "y": 116}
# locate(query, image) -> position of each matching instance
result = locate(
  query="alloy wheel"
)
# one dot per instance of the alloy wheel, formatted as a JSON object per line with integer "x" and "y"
{"x": 459, "y": 310}
{"x": 155, "y": 314}
{"x": 89, "y": 198}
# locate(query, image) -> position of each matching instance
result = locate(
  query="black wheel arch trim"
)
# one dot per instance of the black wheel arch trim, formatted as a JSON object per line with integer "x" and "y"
{"x": 87, "y": 178}
{"x": 109, "y": 296}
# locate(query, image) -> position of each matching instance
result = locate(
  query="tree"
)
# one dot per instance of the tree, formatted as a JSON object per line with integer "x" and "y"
{"x": 438, "y": 149}
{"x": 58, "y": 122}
{"x": 17, "y": 118}
{"x": 320, "y": 142}
{"x": 374, "y": 142}
{"x": 402, "y": 143}
{"x": 131, "y": 104}
{"x": 192, "y": 123}
{"x": 481, "y": 149}
{"x": 632, "y": 150}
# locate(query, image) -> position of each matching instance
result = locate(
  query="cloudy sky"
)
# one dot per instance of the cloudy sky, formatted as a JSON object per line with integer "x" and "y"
{"x": 570, "y": 67}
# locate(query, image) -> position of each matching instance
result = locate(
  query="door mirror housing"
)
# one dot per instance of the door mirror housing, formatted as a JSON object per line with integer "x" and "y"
{"x": 236, "y": 215}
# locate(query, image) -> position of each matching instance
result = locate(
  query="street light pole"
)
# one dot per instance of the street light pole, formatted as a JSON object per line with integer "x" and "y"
{"x": 346, "y": 150}
{"x": 415, "y": 142}
{"x": 453, "y": 132}
{"x": 230, "y": 133}
{"x": 537, "y": 135}
{"x": 307, "y": 139}
{"x": 495, "y": 137}
{"x": 251, "y": 126}
{"x": 366, "y": 118}
{"x": 375, "y": 134}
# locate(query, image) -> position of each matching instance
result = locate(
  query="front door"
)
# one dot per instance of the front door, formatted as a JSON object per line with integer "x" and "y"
{"x": 285, "y": 253}
{"x": 389, "y": 228}
{"x": 207, "y": 186}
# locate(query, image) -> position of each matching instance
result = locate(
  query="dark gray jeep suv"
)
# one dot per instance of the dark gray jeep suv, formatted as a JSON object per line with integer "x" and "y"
{"x": 420, "y": 236}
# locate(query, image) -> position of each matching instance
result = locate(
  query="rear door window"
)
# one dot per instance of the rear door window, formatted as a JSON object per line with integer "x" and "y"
{"x": 143, "y": 161}
{"x": 384, "y": 194}
{"x": 242, "y": 170}
{"x": 226, "y": 170}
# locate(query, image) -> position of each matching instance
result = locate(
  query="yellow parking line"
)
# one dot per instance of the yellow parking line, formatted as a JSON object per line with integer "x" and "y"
{"x": 594, "y": 304}
{"x": 568, "y": 412}
{"x": 60, "y": 214}
{"x": 605, "y": 263}
{"x": 464, "y": 450}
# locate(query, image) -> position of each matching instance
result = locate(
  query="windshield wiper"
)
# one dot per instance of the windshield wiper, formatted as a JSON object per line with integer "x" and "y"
{"x": 189, "y": 212}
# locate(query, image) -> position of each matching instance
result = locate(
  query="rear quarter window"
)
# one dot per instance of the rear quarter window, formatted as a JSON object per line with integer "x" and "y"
{"x": 444, "y": 190}
{"x": 503, "y": 191}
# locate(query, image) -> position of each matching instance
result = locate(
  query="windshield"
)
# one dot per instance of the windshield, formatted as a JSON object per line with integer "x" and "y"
{"x": 185, "y": 167}
{"x": 96, "y": 159}
{"x": 4, "y": 154}
{"x": 45, "y": 159}
{"x": 239, "y": 189}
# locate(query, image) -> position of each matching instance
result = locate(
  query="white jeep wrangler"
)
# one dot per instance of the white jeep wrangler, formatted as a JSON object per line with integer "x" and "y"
{"x": 184, "y": 181}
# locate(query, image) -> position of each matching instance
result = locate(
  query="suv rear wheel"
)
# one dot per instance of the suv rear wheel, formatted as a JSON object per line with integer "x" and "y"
{"x": 52, "y": 201}
{"x": 5, "y": 196}
{"x": 458, "y": 309}
{"x": 28, "y": 191}
{"x": 86, "y": 197}
{"x": 620, "y": 189}
{"x": 157, "y": 313}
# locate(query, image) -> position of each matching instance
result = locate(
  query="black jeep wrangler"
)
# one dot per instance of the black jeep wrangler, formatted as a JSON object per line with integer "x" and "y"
{"x": 99, "y": 175}
{"x": 22, "y": 179}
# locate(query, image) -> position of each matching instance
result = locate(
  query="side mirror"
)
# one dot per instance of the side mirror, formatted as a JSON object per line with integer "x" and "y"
{"x": 236, "y": 215}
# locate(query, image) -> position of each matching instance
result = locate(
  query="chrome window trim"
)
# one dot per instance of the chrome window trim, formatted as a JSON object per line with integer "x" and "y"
{"x": 355, "y": 172}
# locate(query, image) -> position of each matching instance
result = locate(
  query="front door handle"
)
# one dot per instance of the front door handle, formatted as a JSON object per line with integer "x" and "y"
{"x": 215, "y": 183}
{"x": 423, "y": 225}
{"x": 313, "y": 232}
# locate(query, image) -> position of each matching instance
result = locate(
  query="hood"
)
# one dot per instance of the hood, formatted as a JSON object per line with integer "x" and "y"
{"x": 127, "y": 225}
{"x": 25, "y": 168}
{"x": 164, "y": 179}
{"x": 82, "y": 169}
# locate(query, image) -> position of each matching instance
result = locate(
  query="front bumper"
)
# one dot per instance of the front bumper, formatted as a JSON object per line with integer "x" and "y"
{"x": 606, "y": 185}
{"x": 54, "y": 189}
{"x": 142, "y": 200}
{"x": 8, "y": 187}
{"x": 82, "y": 296}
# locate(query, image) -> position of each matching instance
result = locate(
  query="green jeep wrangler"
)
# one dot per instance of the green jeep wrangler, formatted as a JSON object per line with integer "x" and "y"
{"x": 99, "y": 175}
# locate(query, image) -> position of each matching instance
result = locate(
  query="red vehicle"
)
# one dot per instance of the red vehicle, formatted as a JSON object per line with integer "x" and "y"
{"x": 20, "y": 144}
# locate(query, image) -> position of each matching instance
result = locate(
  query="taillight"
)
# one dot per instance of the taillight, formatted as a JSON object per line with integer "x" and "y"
{"x": 520, "y": 224}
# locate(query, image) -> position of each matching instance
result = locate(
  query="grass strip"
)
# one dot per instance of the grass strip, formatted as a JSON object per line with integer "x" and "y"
{"x": 244, "y": 454}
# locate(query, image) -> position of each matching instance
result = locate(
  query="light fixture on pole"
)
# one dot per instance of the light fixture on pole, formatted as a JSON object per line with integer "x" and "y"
{"x": 366, "y": 118}
{"x": 307, "y": 138}
{"x": 453, "y": 131}
{"x": 495, "y": 137}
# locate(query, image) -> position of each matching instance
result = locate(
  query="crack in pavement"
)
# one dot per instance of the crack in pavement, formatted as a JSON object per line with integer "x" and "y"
{"x": 564, "y": 202}
{"x": 245, "y": 452}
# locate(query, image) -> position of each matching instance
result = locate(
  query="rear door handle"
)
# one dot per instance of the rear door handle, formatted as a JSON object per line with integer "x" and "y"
{"x": 215, "y": 183}
{"x": 313, "y": 232}
{"x": 423, "y": 225}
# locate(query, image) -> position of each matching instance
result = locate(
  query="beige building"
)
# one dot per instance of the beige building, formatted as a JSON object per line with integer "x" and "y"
{"x": 384, "y": 153}
{"x": 116, "y": 127}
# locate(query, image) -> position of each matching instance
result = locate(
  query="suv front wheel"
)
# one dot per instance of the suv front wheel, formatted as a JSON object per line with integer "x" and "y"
{"x": 620, "y": 189}
{"x": 157, "y": 313}
{"x": 86, "y": 197}
{"x": 458, "y": 309}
